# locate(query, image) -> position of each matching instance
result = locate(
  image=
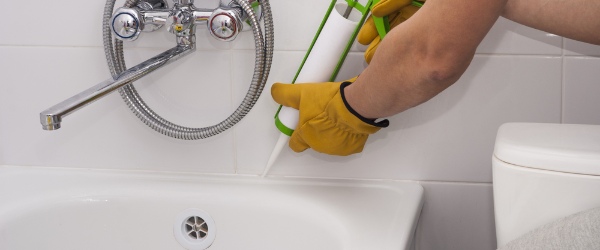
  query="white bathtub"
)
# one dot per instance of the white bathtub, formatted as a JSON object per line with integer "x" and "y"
{"x": 50, "y": 208}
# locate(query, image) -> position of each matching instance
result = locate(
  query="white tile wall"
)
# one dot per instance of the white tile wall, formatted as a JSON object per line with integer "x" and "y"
{"x": 71, "y": 23}
{"x": 508, "y": 37}
{"x": 581, "y": 89}
{"x": 519, "y": 74}
{"x": 449, "y": 138}
{"x": 105, "y": 134}
{"x": 576, "y": 48}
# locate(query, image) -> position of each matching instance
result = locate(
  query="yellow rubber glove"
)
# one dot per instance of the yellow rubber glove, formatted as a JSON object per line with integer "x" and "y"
{"x": 327, "y": 123}
{"x": 397, "y": 12}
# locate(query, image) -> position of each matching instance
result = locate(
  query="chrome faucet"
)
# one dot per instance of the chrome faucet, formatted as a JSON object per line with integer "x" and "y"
{"x": 224, "y": 23}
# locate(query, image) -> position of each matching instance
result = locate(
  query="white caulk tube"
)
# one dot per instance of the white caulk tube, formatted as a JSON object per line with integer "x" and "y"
{"x": 318, "y": 67}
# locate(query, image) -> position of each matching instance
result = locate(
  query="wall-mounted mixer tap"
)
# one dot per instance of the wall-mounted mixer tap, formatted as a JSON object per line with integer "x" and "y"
{"x": 224, "y": 23}
{"x": 127, "y": 24}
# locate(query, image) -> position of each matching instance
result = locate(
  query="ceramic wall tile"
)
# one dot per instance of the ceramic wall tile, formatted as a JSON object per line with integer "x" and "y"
{"x": 194, "y": 91}
{"x": 106, "y": 134}
{"x": 578, "y": 48}
{"x": 55, "y": 23}
{"x": 70, "y": 23}
{"x": 296, "y": 23}
{"x": 456, "y": 216}
{"x": 291, "y": 33}
{"x": 505, "y": 37}
{"x": 581, "y": 88}
{"x": 256, "y": 134}
{"x": 451, "y": 137}
{"x": 508, "y": 37}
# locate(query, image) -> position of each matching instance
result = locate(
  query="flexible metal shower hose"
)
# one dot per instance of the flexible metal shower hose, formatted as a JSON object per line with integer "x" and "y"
{"x": 263, "y": 58}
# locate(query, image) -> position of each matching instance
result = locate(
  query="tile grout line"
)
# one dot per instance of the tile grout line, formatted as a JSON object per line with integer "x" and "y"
{"x": 231, "y": 97}
{"x": 457, "y": 182}
{"x": 279, "y": 50}
{"x": 562, "y": 83}
{"x": 392, "y": 180}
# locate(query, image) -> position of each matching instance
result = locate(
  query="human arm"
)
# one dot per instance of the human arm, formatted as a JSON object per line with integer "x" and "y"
{"x": 575, "y": 19}
{"x": 423, "y": 56}
{"x": 430, "y": 51}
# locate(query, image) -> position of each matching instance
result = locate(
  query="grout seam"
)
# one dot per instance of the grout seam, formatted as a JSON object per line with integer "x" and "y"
{"x": 562, "y": 54}
{"x": 384, "y": 180}
{"x": 232, "y": 104}
{"x": 562, "y": 83}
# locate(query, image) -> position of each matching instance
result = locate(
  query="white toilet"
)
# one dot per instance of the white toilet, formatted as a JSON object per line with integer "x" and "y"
{"x": 541, "y": 173}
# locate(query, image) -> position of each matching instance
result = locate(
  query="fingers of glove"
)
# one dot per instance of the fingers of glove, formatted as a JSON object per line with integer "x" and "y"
{"x": 324, "y": 139}
{"x": 368, "y": 32}
{"x": 370, "y": 52}
{"x": 387, "y": 7}
{"x": 396, "y": 21}
{"x": 297, "y": 143}
{"x": 408, "y": 11}
{"x": 287, "y": 94}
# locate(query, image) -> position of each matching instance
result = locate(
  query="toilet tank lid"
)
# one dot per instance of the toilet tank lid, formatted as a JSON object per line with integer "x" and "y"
{"x": 569, "y": 148}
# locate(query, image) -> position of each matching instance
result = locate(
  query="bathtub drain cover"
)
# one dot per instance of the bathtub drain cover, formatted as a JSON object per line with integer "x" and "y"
{"x": 194, "y": 229}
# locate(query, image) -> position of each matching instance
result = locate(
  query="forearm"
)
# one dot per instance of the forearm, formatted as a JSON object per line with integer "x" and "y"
{"x": 423, "y": 56}
{"x": 575, "y": 19}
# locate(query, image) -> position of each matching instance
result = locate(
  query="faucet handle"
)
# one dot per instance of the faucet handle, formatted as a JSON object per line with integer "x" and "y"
{"x": 224, "y": 24}
{"x": 127, "y": 24}
{"x": 255, "y": 4}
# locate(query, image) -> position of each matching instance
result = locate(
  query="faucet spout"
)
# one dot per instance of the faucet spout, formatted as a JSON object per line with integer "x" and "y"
{"x": 51, "y": 118}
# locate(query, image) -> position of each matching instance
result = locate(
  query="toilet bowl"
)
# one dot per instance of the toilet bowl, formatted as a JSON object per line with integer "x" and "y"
{"x": 541, "y": 173}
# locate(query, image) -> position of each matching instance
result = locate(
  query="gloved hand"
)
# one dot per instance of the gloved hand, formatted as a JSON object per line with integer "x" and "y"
{"x": 327, "y": 123}
{"x": 397, "y": 12}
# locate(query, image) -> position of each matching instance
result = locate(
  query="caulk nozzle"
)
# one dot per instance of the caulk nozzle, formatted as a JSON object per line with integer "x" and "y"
{"x": 281, "y": 142}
